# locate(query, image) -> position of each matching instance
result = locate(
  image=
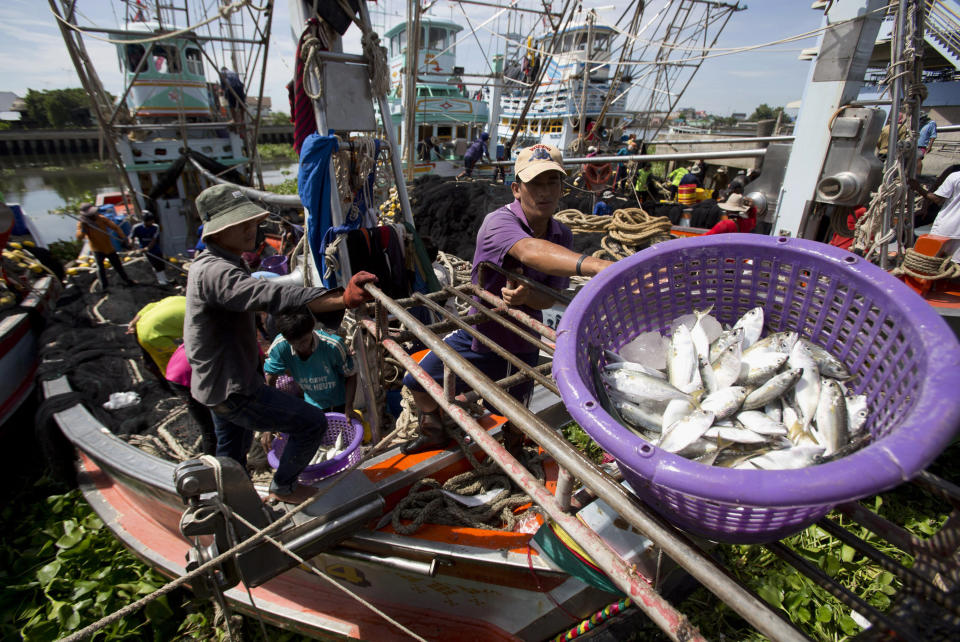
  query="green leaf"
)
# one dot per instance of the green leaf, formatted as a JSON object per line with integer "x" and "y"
{"x": 93, "y": 522}
{"x": 832, "y": 565}
{"x": 82, "y": 587}
{"x": 847, "y": 553}
{"x": 803, "y": 614}
{"x": 70, "y": 538}
{"x": 848, "y": 625}
{"x": 824, "y": 613}
{"x": 885, "y": 578}
{"x": 46, "y": 574}
{"x": 770, "y": 594}
{"x": 158, "y": 610}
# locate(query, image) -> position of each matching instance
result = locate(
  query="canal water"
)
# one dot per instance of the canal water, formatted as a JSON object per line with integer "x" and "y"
{"x": 41, "y": 185}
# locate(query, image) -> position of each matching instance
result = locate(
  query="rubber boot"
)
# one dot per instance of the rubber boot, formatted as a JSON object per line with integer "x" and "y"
{"x": 432, "y": 435}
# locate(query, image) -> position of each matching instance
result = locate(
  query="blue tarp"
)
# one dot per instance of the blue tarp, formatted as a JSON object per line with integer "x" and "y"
{"x": 316, "y": 190}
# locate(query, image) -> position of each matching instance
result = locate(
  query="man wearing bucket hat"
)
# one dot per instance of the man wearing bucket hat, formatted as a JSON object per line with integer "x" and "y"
{"x": 221, "y": 344}
{"x": 522, "y": 237}
{"x": 96, "y": 228}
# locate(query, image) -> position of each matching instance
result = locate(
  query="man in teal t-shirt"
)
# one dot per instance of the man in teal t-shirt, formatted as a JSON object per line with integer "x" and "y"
{"x": 317, "y": 360}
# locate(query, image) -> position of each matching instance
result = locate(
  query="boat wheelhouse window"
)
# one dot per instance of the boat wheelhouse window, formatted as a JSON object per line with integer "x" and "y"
{"x": 443, "y": 131}
{"x": 567, "y": 42}
{"x": 461, "y": 131}
{"x": 581, "y": 40}
{"x": 134, "y": 57}
{"x": 438, "y": 38}
{"x": 600, "y": 42}
{"x": 165, "y": 59}
{"x": 194, "y": 61}
{"x": 401, "y": 41}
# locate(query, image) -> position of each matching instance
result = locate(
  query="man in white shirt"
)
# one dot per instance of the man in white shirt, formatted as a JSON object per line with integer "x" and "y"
{"x": 947, "y": 222}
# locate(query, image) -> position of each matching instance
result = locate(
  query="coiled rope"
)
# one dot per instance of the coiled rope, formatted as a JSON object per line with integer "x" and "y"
{"x": 580, "y": 223}
{"x": 930, "y": 268}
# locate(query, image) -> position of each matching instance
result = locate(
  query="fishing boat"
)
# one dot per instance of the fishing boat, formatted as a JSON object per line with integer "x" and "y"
{"x": 442, "y": 580}
{"x": 445, "y": 117}
{"x": 27, "y": 295}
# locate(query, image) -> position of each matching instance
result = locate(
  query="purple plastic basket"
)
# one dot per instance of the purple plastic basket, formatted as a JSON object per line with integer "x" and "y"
{"x": 336, "y": 423}
{"x": 903, "y": 355}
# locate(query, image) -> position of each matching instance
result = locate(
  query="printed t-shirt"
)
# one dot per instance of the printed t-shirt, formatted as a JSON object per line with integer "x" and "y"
{"x": 322, "y": 375}
{"x": 500, "y": 231}
{"x": 160, "y": 326}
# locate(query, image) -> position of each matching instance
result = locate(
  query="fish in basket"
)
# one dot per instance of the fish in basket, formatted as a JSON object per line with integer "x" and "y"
{"x": 902, "y": 359}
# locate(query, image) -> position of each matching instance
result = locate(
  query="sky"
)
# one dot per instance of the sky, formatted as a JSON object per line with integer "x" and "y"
{"x": 32, "y": 53}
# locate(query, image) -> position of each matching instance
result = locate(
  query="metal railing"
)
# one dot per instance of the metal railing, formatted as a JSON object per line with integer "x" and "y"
{"x": 933, "y": 579}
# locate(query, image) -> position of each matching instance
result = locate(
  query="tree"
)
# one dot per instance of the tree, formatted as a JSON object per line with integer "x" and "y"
{"x": 766, "y": 112}
{"x": 763, "y": 112}
{"x": 277, "y": 118}
{"x": 56, "y": 108}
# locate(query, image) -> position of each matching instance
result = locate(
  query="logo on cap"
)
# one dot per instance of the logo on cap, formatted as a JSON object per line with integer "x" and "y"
{"x": 540, "y": 153}
{"x": 237, "y": 194}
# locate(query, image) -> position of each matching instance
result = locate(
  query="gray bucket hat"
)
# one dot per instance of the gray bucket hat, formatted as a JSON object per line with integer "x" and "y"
{"x": 223, "y": 206}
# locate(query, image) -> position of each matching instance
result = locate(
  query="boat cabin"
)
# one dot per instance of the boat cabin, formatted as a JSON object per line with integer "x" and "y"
{"x": 166, "y": 78}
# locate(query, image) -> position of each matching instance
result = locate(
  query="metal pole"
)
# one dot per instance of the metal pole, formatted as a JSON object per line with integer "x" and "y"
{"x": 896, "y": 51}
{"x": 263, "y": 77}
{"x": 733, "y": 139}
{"x": 672, "y": 622}
{"x": 701, "y": 567}
{"x": 734, "y": 153}
{"x": 585, "y": 77}
{"x": 395, "y": 159}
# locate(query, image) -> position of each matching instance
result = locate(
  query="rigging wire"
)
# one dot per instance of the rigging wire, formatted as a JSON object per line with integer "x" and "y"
{"x": 223, "y": 12}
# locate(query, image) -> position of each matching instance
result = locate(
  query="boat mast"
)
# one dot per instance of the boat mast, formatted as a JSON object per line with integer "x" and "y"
{"x": 73, "y": 39}
{"x": 585, "y": 73}
{"x": 410, "y": 86}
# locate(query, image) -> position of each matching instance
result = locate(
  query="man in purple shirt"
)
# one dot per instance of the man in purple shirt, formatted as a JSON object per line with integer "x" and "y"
{"x": 521, "y": 237}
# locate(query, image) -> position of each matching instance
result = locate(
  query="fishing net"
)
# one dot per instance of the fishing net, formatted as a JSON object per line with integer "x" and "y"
{"x": 85, "y": 339}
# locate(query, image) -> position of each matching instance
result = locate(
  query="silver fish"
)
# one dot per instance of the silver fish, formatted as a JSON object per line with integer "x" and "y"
{"x": 856, "y": 413}
{"x": 831, "y": 417}
{"x": 776, "y": 342}
{"x": 827, "y": 364}
{"x": 724, "y": 402}
{"x": 757, "y": 367}
{"x": 635, "y": 367}
{"x": 727, "y": 366}
{"x": 700, "y": 449}
{"x": 685, "y": 431}
{"x": 785, "y": 459}
{"x": 735, "y": 435}
{"x": 639, "y": 416}
{"x": 676, "y": 410}
{"x": 773, "y": 389}
{"x": 707, "y": 375}
{"x": 807, "y": 390}
{"x": 760, "y": 423}
{"x": 752, "y": 324}
{"x": 698, "y": 333}
{"x": 724, "y": 341}
{"x": 682, "y": 361}
{"x": 639, "y": 387}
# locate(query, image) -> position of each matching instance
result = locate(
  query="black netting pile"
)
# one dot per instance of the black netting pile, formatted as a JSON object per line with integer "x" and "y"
{"x": 450, "y": 212}
{"x": 85, "y": 339}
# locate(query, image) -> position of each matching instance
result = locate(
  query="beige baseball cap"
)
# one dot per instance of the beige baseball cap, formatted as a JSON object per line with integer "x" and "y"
{"x": 537, "y": 159}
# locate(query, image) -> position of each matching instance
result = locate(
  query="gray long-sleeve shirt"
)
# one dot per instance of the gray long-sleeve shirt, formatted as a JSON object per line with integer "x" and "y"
{"x": 219, "y": 329}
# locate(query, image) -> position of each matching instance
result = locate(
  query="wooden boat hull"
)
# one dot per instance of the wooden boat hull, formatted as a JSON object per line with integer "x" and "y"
{"x": 443, "y": 582}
